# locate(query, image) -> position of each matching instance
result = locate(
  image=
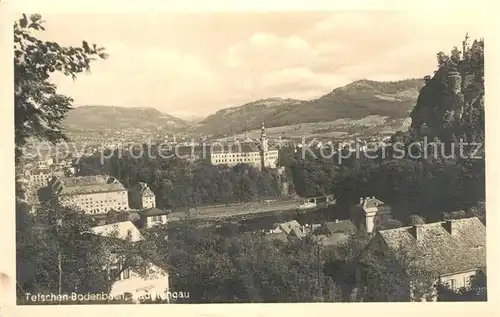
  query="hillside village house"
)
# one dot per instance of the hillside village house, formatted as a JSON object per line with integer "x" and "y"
{"x": 38, "y": 177}
{"x": 143, "y": 202}
{"x": 129, "y": 282}
{"x": 93, "y": 194}
{"x": 33, "y": 179}
{"x": 142, "y": 197}
{"x": 372, "y": 214}
{"x": 151, "y": 217}
{"x": 336, "y": 231}
{"x": 290, "y": 228}
{"x": 453, "y": 250}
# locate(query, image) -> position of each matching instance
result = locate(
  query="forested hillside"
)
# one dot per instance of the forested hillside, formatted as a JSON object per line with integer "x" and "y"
{"x": 357, "y": 100}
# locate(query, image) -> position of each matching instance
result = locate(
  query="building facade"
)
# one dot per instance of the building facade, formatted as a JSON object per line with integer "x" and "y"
{"x": 32, "y": 180}
{"x": 38, "y": 177}
{"x": 142, "y": 197}
{"x": 151, "y": 217}
{"x": 258, "y": 155}
{"x": 372, "y": 215}
{"x": 92, "y": 194}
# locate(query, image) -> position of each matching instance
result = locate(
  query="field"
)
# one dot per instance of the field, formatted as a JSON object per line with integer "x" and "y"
{"x": 339, "y": 129}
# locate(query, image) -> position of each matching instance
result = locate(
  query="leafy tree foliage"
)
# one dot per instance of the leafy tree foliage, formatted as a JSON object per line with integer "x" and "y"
{"x": 478, "y": 210}
{"x": 415, "y": 220}
{"x": 246, "y": 267}
{"x": 180, "y": 183}
{"x": 428, "y": 181}
{"x": 39, "y": 109}
{"x": 426, "y": 187}
{"x": 422, "y": 172}
{"x": 58, "y": 253}
{"x": 114, "y": 216}
{"x": 52, "y": 242}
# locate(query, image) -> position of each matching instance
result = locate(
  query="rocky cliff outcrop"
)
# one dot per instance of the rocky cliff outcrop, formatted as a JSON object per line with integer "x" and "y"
{"x": 451, "y": 104}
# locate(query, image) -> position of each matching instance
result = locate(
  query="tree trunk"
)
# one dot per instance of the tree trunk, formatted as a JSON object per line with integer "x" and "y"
{"x": 59, "y": 266}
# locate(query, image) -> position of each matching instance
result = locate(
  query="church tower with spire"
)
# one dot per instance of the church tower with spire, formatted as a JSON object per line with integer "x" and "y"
{"x": 263, "y": 138}
{"x": 263, "y": 147}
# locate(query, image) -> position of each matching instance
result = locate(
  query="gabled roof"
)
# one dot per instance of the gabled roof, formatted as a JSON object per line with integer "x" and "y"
{"x": 340, "y": 226}
{"x": 235, "y": 148}
{"x": 203, "y": 151}
{"x": 153, "y": 212}
{"x": 38, "y": 171}
{"x": 86, "y": 185}
{"x": 287, "y": 227}
{"x": 298, "y": 232}
{"x": 143, "y": 189}
{"x": 121, "y": 229}
{"x": 437, "y": 249}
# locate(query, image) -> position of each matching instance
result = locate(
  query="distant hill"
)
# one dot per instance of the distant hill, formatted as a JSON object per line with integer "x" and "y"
{"x": 98, "y": 118}
{"x": 193, "y": 118}
{"x": 249, "y": 116}
{"x": 357, "y": 100}
{"x": 390, "y": 101}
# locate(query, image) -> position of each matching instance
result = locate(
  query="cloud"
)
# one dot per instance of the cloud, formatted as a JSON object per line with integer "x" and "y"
{"x": 265, "y": 51}
{"x": 146, "y": 77}
{"x": 271, "y": 65}
{"x": 206, "y": 69}
{"x": 301, "y": 79}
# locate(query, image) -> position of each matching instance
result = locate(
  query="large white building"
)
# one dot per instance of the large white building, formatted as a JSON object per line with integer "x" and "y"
{"x": 93, "y": 194}
{"x": 259, "y": 155}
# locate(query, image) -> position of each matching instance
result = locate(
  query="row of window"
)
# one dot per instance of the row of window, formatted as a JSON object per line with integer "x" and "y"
{"x": 90, "y": 200}
{"x": 37, "y": 177}
{"x": 235, "y": 160}
{"x": 101, "y": 204}
{"x": 105, "y": 209}
{"x": 224, "y": 155}
{"x": 98, "y": 201}
{"x": 156, "y": 218}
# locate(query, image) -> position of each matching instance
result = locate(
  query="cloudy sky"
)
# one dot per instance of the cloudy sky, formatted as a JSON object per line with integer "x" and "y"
{"x": 194, "y": 64}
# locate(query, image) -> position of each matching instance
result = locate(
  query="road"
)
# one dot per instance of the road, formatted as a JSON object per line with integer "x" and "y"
{"x": 219, "y": 212}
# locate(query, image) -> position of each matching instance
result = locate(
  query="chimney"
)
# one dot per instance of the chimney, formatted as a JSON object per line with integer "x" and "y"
{"x": 449, "y": 226}
{"x": 416, "y": 231}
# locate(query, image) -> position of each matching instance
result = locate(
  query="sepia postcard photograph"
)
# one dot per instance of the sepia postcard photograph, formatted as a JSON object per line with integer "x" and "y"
{"x": 249, "y": 157}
